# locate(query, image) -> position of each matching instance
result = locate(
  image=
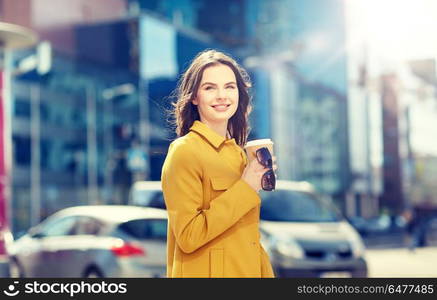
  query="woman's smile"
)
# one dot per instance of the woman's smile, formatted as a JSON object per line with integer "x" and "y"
{"x": 221, "y": 107}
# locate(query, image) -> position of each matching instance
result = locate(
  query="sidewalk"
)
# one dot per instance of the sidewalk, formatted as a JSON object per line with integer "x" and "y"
{"x": 402, "y": 262}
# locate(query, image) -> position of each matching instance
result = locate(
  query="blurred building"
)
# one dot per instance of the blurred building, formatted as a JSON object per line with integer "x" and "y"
{"x": 97, "y": 121}
{"x": 392, "y": 197}
{"x": 55, "y": 20}
{"x": 299, "y": 68}
{"x": 12, "y": 38}
{"x": 408, "y": 120}
{"x": 365, "y": 121}
{"x": 51, "y": 146}
{"x": 224, "y": 21}
{"x": 417, "y": 93}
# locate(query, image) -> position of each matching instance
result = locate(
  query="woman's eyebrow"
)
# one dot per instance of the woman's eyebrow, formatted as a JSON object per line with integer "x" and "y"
{"x": 230, "y": 82}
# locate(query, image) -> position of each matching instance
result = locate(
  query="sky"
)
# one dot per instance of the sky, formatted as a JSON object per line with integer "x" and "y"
{"x": 394, "y": 31}
{"x": 397, "y": 29}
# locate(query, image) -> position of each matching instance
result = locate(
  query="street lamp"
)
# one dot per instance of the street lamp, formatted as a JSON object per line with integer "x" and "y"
{"x": 12, "y": 37}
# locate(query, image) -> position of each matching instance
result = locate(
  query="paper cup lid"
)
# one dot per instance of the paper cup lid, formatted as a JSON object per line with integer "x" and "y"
{"x": 258, "y": 142}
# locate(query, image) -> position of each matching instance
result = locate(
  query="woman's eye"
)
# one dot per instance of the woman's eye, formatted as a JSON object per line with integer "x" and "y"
{"x": 209, "y": 88}
{"x": 230, "y": 87}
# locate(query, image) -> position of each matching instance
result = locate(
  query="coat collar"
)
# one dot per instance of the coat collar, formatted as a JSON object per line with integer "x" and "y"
{"x": 210, "y": 135}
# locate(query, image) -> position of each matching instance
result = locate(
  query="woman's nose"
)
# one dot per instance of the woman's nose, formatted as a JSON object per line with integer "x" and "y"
{"x": 221, "y": 93}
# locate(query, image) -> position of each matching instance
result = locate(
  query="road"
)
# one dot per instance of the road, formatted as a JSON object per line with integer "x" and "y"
{"x": 401, "y": 262}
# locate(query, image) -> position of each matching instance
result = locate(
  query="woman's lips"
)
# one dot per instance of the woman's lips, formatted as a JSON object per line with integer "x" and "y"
{"x": 221, "y": 107}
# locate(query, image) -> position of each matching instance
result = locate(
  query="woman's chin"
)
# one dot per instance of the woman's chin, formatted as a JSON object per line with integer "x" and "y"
{"x": 222, "y": 117}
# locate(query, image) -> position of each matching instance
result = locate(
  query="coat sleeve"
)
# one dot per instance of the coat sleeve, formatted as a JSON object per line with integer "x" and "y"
{"x": 193, "y": 227}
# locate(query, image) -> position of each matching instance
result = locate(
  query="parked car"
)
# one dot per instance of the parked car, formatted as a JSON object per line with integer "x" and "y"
{"x": 94, "y": 241}
{"x": 147, "y": 193}
{"x": 307, "y": 236}
{"x": 304, "y": 234}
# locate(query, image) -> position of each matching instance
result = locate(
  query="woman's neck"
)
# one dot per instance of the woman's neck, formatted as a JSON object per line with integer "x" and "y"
{"x": 220, "y": 128}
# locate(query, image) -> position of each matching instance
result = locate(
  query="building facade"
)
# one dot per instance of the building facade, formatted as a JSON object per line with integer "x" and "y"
{"x": 99, "y": 120}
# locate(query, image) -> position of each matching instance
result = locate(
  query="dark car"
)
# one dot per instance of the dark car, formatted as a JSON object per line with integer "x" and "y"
{"x": 306, "y": 235}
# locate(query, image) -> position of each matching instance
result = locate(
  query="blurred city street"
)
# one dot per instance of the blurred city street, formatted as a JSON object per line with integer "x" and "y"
{"x": 402, "y": 262}
{"x": 346, "y": 90}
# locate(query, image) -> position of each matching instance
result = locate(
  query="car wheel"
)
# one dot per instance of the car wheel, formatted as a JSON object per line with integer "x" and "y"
{"x": 93, "y": 273}
{"x": 15, "y": 269}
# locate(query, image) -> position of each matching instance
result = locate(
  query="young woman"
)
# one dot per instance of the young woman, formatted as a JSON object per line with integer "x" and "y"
{"x": 210, "y": 191}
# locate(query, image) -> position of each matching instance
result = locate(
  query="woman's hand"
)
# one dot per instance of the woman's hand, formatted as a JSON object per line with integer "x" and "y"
{"x": 254, "y": 171}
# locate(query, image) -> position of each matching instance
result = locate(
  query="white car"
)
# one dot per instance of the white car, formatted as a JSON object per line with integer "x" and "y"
{"x": 94, "y": 241}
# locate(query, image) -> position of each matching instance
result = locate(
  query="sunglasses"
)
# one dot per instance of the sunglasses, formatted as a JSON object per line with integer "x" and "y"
{"x": 268, "y": 180}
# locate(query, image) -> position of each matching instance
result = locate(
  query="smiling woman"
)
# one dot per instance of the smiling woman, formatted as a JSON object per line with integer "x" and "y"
{"x": 210, "y": 189}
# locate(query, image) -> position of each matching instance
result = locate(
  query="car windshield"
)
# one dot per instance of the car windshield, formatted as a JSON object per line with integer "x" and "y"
{"x": 294, "y": 206}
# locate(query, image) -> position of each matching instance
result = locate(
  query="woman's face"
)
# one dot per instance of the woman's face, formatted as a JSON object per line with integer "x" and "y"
{"x": 217, "y": 96}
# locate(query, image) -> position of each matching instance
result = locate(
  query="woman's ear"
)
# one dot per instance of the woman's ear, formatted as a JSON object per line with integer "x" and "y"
{"x": 194, "y": 101}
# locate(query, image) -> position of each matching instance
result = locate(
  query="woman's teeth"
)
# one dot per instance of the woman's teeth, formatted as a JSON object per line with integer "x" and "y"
{"x": 221, "y": 107}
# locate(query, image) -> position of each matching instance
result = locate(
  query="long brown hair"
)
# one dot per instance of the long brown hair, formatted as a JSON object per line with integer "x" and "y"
{"x": 185, "y": 112}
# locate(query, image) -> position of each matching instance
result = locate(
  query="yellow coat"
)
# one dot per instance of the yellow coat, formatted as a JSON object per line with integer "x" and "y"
{"x": 213, "y": 214}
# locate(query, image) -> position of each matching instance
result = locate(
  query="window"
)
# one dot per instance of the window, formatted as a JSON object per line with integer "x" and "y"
{"x": 150, "y": 198}
{"x": 87, "y": 226}
{"x": 21, "y": 150}
{"x": 59, "y": 227}
{"x": 294, "y": 206}
{"x": 46, "y": 147}
{"x": 22, "y": 108}
{"x": 44, "y": 112}
{"x": 146, "y": 228}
